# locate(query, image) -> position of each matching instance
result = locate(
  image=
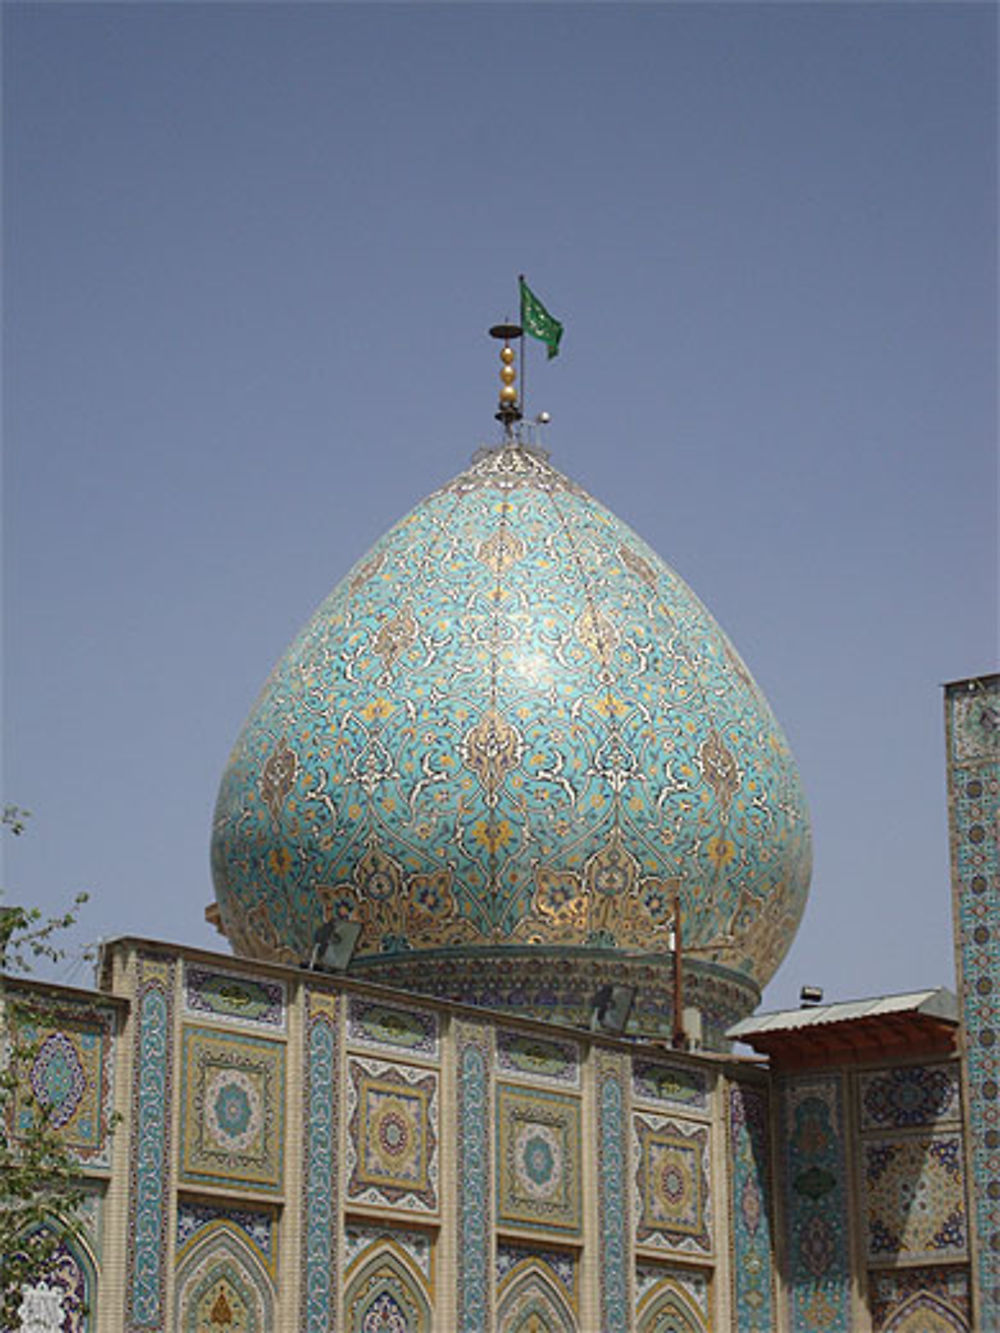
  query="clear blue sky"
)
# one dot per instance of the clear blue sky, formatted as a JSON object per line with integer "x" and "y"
{"x": 250, "y": 253}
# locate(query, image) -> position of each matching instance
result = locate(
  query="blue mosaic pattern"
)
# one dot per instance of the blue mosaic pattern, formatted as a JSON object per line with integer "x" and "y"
{"x": 196, "y": 1220}
{"x": 972, "y": 716}
{"x": 512, "y": 725}
{"x": 612, "y": 1187}
{"x": 320, "y": 1204}
{"x": 538, "y": 1058}
{"x": 751, "y": 1209}
{"x": 909, "y": 1096}
{"x": 408, "y": 1031}
{"x": 151, "y": 1095}
{"x": 656, "y": 1082}
{"x": 559, "y": 1264}
{"x": 816, "y": 1204}
{"x": 475, "y": 1250}
{"x": 229, "y": 997}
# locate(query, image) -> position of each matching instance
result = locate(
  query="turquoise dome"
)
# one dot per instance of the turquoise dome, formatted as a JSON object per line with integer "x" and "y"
{"x": 512, "y": 732}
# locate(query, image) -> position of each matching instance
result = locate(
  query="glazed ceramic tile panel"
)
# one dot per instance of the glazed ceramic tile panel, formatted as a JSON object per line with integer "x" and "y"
{"x": 321, "y": 1179}
{"x": 914, "y": 1189}
{"x": 150, "y": 1142}
{"x": 676, "y": 1086}
{"x": 751, "y": 1209}
{"x": 385, "y": 1295}
{"x": 672, "y": 1299}
{"x": 71, "y": 1072}
{"x": 361, "y": 1239}
{"x": 816, "y": 1204}
{"x": 392, "y": 1135}
{"x": 474, "y": 1103}
{"x": 216, "y": 996}
{"x": 538, "y": 1160}
{"x": 408, "y": 1032}
{"x": 540, "y": 1059}
{"x": 232, "y": 1110}
{"x": 65, "y": 1300}
{"x": 972, "y": 714}
{"x": 909, "y": 1096}
{"x": 614, "y": 1221}
{"x": 221, "y": 1284}
{"x": 672, "y": 1184}
{"x": 560, "y": 1266}
{"x": 934, "y": 1299}
{"x": 512, "y": 725}
{"x": 197, "y": 1219}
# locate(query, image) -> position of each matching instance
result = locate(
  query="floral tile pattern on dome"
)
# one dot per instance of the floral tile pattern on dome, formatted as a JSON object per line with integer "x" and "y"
{"x": 232, "y": 1109}
{"x": 939, "y": 1295}
{"x": 230, "y": 997}
{"x": 909, "y": 1096}
{"x": 538, "y": 1159}
{"x": 653, "y": 1081}
{"x": 392, "y": 1135}
{"x": 408, "y": 1031}
{"x": 914, "y": 1198}
{"x": 672, "y": 1195}
{"x": 524, "y": 1055}
{"x": 70, "y": 1073}
{"x": 512, "y": 724}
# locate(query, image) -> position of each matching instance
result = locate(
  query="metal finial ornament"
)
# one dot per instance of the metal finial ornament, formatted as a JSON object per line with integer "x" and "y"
{"x": 509, "y": 411}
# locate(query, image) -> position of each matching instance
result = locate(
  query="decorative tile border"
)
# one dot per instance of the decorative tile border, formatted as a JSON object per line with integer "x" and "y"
{"x": 751, "y": 1222}
{"x": 612, "y": 1073}
{"x": 914, "y": 1206}
{"x": 665, "y": 1290}
{"x": 231, "y": 997}
{"x": 942, "y": 1294}
{"x": 473, "y": 1061}
{"x": 361, "y": 1237}
{"x": 321, "y": 1181}
{"x": 538, "y": 1159}
{"x": 909, "y": 1096}
{"x": 817, "y": 1235}
{"x": 150, "y": 1148}
{"x": 560, "y": 1266}
{"x": 523, "y": 1055}
{"x": 232, "y": 1109}
{"x": 257, "y": 1226}
{"x": 392, "y": 1135}
{"x": 656, "y": 1082}
{"x": 972, "y": 723}
{"x": 412, "y": 1032}
{"x": 71, "y": 1073}
{"x": 672, "y": 1191}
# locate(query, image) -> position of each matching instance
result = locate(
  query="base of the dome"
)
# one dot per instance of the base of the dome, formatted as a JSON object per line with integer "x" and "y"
{"x": 560, "y": 986}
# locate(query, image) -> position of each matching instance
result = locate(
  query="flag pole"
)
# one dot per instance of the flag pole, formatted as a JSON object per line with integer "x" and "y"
{"x": 520, "y": 320}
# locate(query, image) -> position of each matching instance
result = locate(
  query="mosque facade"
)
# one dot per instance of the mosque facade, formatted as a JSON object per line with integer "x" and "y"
{"x": 516, "y": 765}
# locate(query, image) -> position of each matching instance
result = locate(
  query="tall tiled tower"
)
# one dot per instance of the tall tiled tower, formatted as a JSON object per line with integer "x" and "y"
{"x": 972, "y": 721}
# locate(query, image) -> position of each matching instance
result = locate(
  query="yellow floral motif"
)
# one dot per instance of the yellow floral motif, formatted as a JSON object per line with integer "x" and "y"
{"x": 280, "y": 860}
{"x": 720, "y": 851}
{"x": 377, "y": 709}
{"x": 492, "y": 836}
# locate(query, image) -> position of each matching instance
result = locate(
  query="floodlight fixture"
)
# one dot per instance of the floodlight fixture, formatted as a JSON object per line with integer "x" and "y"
{"x": 611, "y": 1008}
{"x": 810, "y": 996}
{"x": 333, "y": 946}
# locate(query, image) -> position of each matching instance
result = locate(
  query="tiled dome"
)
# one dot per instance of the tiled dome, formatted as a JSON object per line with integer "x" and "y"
{"x": 512, "y": 733}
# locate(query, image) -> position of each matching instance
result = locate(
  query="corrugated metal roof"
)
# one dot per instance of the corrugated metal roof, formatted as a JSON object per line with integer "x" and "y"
{"x": 940, "y": 1003}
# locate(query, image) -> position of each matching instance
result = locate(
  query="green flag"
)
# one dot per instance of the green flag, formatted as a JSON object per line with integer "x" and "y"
{"x": 537, "y": 321}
